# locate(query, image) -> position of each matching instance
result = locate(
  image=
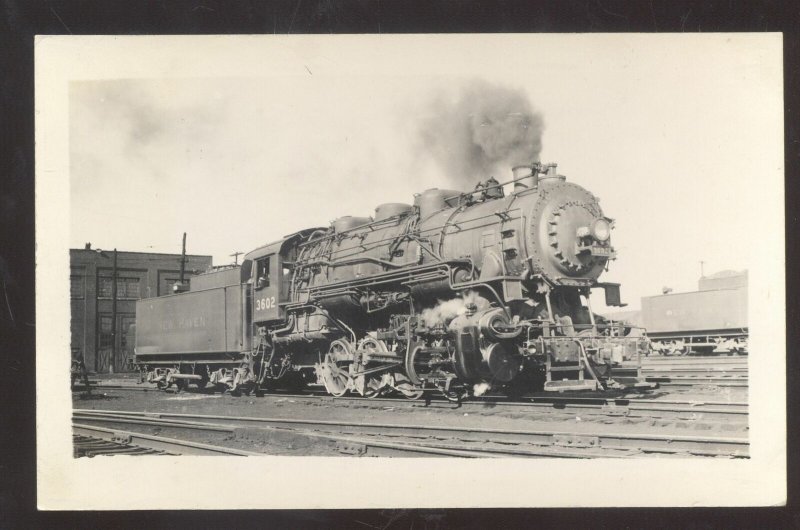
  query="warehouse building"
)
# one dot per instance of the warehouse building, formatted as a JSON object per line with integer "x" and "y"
{"x": 102, "y": 313}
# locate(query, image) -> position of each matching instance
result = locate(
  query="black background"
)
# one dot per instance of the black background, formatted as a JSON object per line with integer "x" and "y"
{"x": 20, "y": 20}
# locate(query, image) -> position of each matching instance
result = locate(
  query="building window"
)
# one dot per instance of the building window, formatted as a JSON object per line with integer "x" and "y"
{"x": 106, "y": 337}
{"x": 131, "y": 288}
{"x": 127, "y": 338}
{"x": 104, "y": 287}
{"x": 172, "y": 282}
{"x": 126, "y": 288}
{"x": 76, "y": 286}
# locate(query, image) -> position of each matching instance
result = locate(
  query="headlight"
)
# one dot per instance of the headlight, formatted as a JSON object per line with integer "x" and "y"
{"x": 601, "y": 229}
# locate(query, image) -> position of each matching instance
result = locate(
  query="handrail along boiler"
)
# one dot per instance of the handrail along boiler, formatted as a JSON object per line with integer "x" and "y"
{"x": 457, "y": 293}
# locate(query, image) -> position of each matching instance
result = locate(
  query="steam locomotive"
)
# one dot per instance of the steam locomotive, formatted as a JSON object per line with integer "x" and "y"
{"x": 458, "y": 294}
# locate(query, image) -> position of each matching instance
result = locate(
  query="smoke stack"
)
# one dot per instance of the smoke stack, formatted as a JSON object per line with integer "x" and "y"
{"x": 88, "y": 246}
{"x": 528, "y": 179}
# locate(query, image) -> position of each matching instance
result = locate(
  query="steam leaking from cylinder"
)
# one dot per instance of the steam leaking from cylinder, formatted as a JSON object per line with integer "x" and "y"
{"x": 481, "y": 388}
{"x": 446, "y": 310}
{"x": 485, "y": 130}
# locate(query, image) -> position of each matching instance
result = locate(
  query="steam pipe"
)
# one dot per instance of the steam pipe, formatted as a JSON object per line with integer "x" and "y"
{"x": 286, "y": 328}
{"x": 591, "y": 313}
{"x": 356, "y": 260}
{"x": 549, "y": 307}
{"x": 586, "y": 358}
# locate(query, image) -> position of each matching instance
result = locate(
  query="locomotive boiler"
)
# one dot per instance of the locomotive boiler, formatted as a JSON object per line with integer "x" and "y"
{"x": 457, "y": 293}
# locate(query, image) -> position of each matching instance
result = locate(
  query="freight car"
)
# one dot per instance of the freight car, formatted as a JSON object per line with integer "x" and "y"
{"x": 712, "y": 319}
{"x": 457, "y": 294}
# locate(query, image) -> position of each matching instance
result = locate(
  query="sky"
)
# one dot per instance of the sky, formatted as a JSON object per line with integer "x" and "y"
{"x": 673, "y": 135}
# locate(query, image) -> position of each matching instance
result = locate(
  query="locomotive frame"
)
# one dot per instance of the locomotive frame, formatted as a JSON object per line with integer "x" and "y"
{"x": 358, "y": 306}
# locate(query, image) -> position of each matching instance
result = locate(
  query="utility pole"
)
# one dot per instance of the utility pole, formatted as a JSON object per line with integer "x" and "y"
{"x": 235, "y": 257}
{"x": 113, "y": 312}
{"x": 702, "y": 269}
{"x": 183, "y": 258}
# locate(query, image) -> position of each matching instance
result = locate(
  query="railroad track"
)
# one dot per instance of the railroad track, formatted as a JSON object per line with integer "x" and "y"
{"x": 667, "y": 380}
{"x": 583, "y": 406}
{"x": 91, "y": 440}
{"x": 696, "y": 372}
{"x": 690, "y": 371}
{"x": 601, "y": 406}
{"x": 684, "y": 359}
{"x": 434, "y": 440}
{"x": 127, "y": 388}
{"x": 90, "y": 446}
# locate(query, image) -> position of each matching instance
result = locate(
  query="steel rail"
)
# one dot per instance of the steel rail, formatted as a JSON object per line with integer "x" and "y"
{"x": 361, "y": 446}
{"x": 648, "y": 443}
{"x": 498, "y": 399}
{"x": 379, "y": 447}
{"x": 90, "y": 446}
{"x": 80, "y": 388}
{"x": 158, "y": 443}
{"x": 740, "y": 359}
{"x": 738, "y": 382}
{"x": 663, "y": 409}
{"x": 347, "y": 444}
{"x": 688, "y": 410}
{"x": 698, "y": 374}
{"x": 735, "y": 368}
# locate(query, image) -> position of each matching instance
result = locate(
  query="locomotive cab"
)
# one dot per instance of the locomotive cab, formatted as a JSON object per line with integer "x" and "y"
{"x": 271, "y": 277}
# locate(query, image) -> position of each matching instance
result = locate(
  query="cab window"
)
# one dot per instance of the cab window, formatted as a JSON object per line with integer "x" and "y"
{"x": 262, "y": 273}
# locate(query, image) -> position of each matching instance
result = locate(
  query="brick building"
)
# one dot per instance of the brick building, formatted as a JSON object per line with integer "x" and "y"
{"x": 138, "y": 275}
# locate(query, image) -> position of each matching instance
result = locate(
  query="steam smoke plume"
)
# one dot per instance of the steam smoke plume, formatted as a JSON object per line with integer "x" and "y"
{"x": 485, "y": 130}
{"x": 446, "y": 310}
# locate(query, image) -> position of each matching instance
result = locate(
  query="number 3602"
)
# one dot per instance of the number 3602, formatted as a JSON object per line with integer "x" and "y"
{"x": 265, "y": 303}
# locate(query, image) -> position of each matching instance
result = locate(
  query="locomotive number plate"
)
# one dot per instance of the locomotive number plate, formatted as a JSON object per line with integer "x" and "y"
{"x": 602, "y": 251}
{"x": 263, "y": 304}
